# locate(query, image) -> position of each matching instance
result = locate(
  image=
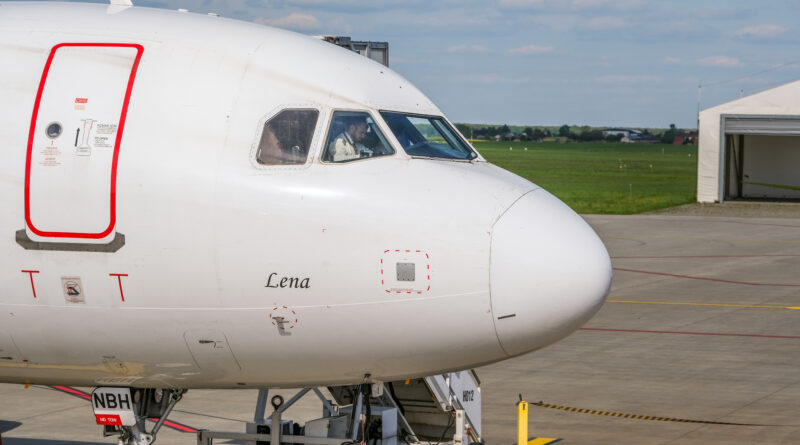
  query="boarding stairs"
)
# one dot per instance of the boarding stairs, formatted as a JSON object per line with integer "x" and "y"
{"x": 442, "y": 409}
{"x": 428, "y": 408}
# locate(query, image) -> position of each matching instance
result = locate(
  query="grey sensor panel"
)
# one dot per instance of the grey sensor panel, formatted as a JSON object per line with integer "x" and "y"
{"x": 406, "y": 272}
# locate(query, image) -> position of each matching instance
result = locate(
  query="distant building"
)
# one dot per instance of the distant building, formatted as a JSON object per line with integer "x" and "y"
{"x": 685, "y": 139}
{"x": 642, "y": 139}
{"x": 626, "y": 133}
{"x": 377, "y": 51}
{"x": 630, "y": 135}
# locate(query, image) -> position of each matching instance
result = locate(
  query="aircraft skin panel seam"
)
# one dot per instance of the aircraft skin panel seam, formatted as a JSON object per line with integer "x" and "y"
{"x": 491, "y": 305}
{"x": 265, "y": 308}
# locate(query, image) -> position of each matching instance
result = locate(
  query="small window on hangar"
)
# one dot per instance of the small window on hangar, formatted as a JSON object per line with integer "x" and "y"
{"x": 762, "y": 157}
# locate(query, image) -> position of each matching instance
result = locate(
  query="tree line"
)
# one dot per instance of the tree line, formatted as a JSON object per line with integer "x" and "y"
{"x": 576, "y": 134}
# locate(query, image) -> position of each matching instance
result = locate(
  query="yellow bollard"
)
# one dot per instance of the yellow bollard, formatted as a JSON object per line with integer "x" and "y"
{"x": 522, "y": 423}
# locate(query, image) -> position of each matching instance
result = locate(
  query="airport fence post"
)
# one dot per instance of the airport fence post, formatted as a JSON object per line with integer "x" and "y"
{"x": 522, "y": 423}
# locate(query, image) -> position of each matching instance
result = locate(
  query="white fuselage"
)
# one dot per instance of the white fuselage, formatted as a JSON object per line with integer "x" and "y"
{"x": 235, "y": 274}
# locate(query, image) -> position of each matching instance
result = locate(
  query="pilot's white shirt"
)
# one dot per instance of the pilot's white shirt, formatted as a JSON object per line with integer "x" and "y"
{"x": 343, "y": 148}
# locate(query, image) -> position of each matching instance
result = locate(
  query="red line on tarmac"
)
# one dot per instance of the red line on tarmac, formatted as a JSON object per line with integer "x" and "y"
{"x": 175, "y": 425}
{"x": 700, "y": 256}
{"x": 718, "y": 280}
{"x": 180, "y": 427}
{"x": 723, "y": 334}
{"x": 73, "y": 392}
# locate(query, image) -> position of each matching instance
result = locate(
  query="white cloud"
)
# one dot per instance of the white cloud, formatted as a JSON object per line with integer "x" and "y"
{"x": 523, "y": 3}
{"x": 574, "y": 5}
{"x": 723, "y": 61}
{"x": 466, "y": 49}
{"x": 617, "y": 5}
{"x": 345, "y": 5}
{"x": 295, "y": 21}
{"x": 532, "y": 50}
{"x": 627, "y": 79}
{"x": 558, "y": 22}
{"x": 494, "y": 79}
{"x": 761, "y": 31}
{"x": 601, "y": 23}
{"x": 450, "y": 19}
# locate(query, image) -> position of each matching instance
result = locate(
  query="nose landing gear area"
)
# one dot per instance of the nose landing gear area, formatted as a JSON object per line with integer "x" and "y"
{"x": 124, "y": 412}
{"x": 444, "y": 408}
{"x": 77, "y": 425}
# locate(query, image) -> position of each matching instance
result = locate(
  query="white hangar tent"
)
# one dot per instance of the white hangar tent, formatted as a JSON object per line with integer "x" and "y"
{"x": 750, "y": 147}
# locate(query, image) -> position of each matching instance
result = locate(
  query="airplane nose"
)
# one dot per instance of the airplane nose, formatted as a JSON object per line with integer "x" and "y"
{"x": 549, "y": 273}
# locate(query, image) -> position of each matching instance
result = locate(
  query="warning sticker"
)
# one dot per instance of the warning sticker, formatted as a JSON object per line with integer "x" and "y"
{"x": 105, "y": 134}
{"x": 73, "y": 290}
{"x": 50, "y": 156}
{"x": 49, "y": 162}
{"x": 106, "y": 128}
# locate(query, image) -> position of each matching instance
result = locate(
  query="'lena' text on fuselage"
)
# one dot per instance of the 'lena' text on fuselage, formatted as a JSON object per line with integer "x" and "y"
{"x": 293, "y": 282}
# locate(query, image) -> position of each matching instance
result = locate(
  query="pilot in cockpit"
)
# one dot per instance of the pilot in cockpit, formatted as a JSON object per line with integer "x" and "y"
{"x": 347, "y": 144}
{"x": 354, "y": 135}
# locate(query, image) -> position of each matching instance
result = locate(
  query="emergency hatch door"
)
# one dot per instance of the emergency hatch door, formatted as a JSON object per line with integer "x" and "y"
{"x": 74, "y": 142}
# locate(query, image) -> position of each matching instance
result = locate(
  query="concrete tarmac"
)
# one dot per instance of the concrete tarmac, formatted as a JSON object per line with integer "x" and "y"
{"x": 699, "y": 326}
{"x": 727, "y": 350}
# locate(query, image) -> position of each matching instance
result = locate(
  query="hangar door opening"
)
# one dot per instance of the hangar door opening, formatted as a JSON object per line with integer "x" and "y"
{"x": 762, "y": 157}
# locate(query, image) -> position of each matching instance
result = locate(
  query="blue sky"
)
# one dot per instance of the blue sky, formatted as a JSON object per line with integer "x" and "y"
{"x": 549, "y": 62}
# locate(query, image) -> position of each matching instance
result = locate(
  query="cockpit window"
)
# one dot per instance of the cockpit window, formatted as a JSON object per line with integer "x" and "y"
{"x": 354, "y": 135}
{"x": 427, "y": 136}
{"x": 286, "y": 137}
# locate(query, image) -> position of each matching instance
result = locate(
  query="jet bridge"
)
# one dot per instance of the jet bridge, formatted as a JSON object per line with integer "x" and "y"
{"x": 442, "y": 409}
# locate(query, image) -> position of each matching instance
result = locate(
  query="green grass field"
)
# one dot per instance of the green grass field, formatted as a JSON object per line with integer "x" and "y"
{"x": 608, "y": 178}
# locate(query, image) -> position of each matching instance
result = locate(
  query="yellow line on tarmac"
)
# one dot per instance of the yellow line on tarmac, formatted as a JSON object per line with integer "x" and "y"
{"x": 542, "y": 441}
{"x": 756, "y": 306}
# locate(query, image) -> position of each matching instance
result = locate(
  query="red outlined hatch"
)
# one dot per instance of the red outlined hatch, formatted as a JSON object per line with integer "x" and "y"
{"x": 74, "y": 141}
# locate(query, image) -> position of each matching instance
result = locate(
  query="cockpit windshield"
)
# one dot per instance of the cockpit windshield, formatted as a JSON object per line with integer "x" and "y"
{"x": 354, "y": 135}
{"x": 427, "y": 136}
